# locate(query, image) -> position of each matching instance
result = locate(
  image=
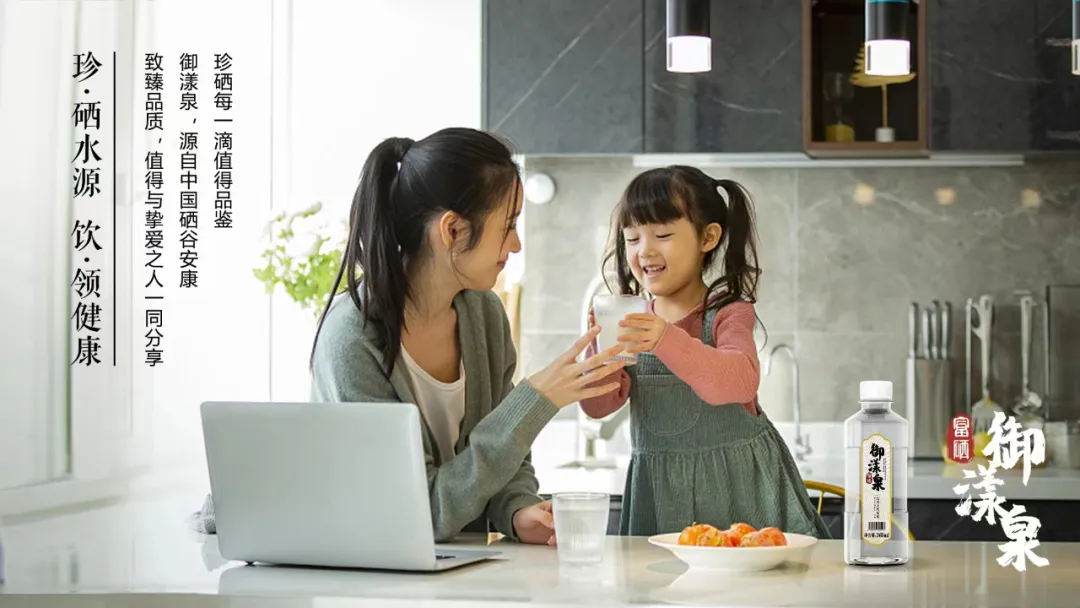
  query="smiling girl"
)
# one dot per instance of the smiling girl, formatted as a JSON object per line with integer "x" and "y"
{"x": 703, "y": 450}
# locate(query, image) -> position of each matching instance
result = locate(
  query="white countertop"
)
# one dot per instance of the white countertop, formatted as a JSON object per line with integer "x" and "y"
{"x": 926, "y": 480}
{"x": 135, "y": 553}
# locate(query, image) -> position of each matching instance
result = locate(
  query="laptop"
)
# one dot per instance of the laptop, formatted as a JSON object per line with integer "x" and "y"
{"x": 339, "y": 485}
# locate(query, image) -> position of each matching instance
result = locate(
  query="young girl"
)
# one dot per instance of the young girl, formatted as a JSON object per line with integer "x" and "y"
{"x": 703, "y": 451}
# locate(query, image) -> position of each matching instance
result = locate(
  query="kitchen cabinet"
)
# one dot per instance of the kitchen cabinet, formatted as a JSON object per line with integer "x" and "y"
{"x": 1056, "y": 115}
{"x": 751, "y": 100}
{"x": 1000, "y": 79}
{"x": 850, "y": 114}
{"x": 564, "y": 76}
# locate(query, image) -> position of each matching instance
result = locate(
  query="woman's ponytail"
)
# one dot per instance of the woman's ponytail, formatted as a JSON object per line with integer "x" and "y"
{"x": 374, "y": 246}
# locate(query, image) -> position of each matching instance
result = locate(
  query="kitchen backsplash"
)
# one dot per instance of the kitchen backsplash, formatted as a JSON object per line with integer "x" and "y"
{"x": 844, "y": 253}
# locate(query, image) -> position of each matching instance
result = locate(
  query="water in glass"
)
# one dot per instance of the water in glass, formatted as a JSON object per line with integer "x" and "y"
{"x": 581, "y": 520}
{"x": 608, "y": 311}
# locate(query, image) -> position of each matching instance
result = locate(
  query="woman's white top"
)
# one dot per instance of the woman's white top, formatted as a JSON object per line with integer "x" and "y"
{"x": 441, "y": 403}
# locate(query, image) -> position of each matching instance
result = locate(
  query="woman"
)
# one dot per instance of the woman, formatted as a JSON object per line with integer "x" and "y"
{"x": 432, "y": 225}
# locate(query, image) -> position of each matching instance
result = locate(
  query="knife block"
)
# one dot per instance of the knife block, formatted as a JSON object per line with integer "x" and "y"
{"x": 930, "y": 406}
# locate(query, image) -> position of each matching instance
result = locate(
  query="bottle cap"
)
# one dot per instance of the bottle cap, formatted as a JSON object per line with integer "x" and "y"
{"x": 875, "y": 390}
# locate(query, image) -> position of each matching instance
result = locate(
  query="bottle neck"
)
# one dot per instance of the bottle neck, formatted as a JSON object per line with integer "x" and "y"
{"x": 876, "y": 406}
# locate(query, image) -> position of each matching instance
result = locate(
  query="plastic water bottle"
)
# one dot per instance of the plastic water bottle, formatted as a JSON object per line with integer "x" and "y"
{"x": 875, "y": 480}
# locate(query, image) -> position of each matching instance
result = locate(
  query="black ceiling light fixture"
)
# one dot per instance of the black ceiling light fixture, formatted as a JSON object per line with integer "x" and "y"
{"x": 888, "y": 50}
{"x": 689, "y": 44}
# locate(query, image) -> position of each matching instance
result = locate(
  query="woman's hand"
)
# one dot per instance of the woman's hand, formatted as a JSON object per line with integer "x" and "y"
{"x": 649, "y": 330}
{"x": 566, "y": 380}
{"x": 535, "y": 524}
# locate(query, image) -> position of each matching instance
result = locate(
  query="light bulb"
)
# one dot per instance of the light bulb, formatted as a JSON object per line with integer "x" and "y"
{"x": 1076, "y": 37}
{"x": 888, "y": 57}
{"x": 688, "y": 54}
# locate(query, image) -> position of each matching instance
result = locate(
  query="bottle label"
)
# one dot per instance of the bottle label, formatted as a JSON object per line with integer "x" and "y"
{"x": 876, "y": 490}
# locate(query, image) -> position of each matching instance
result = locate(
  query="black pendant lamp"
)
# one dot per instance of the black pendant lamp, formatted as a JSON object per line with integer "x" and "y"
{"x": 1076, "y": 38}
{"x": 689, "y": 44}
{"x": 888, "y": 50}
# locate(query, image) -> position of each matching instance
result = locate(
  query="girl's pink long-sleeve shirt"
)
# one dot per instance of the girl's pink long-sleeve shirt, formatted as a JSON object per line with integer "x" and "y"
{"x": 728, "y": 372}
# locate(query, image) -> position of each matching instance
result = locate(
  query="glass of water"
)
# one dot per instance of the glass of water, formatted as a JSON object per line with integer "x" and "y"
{"x": 581, "y": 520}
{"x": 609, "y": 310}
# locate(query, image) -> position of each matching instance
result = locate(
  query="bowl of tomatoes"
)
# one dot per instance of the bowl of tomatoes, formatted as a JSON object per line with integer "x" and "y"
{"x": 739, "y": 548}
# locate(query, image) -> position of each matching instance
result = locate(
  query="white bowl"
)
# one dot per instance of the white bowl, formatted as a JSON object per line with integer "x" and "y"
{"x": 736, "y": 559}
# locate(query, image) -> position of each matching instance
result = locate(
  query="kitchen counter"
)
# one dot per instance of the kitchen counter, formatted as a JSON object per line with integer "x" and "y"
{"x": 133, "y": 553}
{"x": 926, "y": 480}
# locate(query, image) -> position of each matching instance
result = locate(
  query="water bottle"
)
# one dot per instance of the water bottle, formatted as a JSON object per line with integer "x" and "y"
{"x": 875, "y": 480}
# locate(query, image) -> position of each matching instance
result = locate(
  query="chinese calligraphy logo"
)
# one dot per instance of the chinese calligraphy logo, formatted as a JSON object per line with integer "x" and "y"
{"x": 1009, "y": 443}
{"x": 876, "y": 495}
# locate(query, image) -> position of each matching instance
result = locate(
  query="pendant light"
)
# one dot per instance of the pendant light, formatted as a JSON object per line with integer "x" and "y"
{"x": 1076, "y": 38}
{"x": 888, "y": 50}
{"x": 689, "y": 44}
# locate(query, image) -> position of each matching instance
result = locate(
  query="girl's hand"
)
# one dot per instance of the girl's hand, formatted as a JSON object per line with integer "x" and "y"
{"x": 566, "y": 380}
{"x": 649, "y": 330}
{"x": 535, "y": 524}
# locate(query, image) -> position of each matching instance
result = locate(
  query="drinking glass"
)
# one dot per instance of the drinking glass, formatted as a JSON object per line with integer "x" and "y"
{"x": 609, "y": 310}
{"x": 581, "y": 520}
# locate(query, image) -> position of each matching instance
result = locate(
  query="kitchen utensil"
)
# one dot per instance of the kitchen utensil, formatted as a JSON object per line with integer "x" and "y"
{"x": 984, "y": 410}
{"x": 928, "y": 394}
{"x": 735, "y": 559}
{"x": 925, "y": 354}
{"x": 969, "y": 330}
{"x": 935, "y": 331}
{"x": 946, "y": 328}
{"x": 932, "y": 323}
{"x": 930, "y": 407}
{"x": 913, "y": 332}
{"x": 1029, "y": 403}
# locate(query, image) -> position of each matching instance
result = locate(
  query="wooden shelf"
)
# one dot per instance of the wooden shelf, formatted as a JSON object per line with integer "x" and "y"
{"x": 833, "y": 34}
{"x": 832, "y": 149}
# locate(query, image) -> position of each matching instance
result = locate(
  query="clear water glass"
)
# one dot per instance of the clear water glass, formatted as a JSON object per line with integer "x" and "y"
{"x": 581, "y": 520}
{"x": 608, "y": 310}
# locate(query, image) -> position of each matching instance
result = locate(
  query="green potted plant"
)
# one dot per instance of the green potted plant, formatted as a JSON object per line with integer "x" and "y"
{"x": 303, "y": 256}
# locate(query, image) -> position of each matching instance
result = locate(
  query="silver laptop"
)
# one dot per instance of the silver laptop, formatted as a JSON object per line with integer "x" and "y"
{"x": 340, "y": 485}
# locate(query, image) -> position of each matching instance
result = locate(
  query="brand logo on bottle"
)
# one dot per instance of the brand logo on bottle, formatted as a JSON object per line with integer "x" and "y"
{"x": 960, "y": 444}
{"x": 876, "y": 490}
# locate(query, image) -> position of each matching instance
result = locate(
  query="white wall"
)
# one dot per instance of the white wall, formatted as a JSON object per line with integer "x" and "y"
{"x": 216, "y": 337}
{"x": 364, "y": 71}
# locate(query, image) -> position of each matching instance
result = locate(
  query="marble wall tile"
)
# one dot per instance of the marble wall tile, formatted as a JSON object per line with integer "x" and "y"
{"x": 773, "y": 196}
{"x": 844, "y": 253}
{"x": 565, "y": 238}
{"x": 832, "y": 364}
{"x": 872, "y": 241}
